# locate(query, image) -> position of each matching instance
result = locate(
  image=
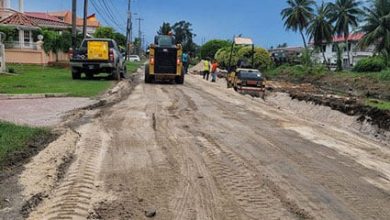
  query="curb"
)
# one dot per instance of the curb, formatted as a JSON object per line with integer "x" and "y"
{"x": 32, "y": 96}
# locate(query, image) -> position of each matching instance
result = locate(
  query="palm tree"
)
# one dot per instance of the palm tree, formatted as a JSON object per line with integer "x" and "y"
{"x": 377, "y": 27}
{"x": 320, "y": 28}
{"x": 298, "y": 15}
{"x": 345, "y": 14}
{"x": 165, "y": 29}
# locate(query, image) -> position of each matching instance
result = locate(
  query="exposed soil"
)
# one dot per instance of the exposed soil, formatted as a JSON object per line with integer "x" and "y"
{"x": 201, "y": 151}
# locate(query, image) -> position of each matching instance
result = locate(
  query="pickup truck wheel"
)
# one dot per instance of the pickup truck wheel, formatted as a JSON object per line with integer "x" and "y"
{"x": 124, "y": 72}
{"x": 116, "y": 74}
{"x": 76, "y": 74}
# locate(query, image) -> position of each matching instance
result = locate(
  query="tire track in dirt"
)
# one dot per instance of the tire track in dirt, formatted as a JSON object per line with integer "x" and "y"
{"x": 251, "y": 193}
{"x": 72, "y": 198}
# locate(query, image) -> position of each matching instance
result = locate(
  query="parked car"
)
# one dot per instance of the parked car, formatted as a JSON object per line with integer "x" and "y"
{"x": 97, "y": 55}
{"x": 134, "y": 58}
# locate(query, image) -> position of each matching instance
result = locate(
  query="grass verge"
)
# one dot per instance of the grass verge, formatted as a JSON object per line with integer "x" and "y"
{"x": 33, "y": 79}
{"x": 133, "y": 66}
{"x": 15, "y": 140}
{"x": 383, "y": 105}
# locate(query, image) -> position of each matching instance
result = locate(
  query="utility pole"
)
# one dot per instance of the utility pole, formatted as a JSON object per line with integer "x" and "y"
{"x": 85, "y": 18}
{"x": 74, "y": 30}
{"x": 139, "y": 35}
{"x": 128, "y": 30}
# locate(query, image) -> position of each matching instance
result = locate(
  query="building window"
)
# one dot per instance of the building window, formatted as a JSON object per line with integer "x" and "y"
{"x": 27, "y": 38}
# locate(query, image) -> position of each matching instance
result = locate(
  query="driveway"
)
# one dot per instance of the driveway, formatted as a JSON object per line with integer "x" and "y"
{"x": 41, "y": 111}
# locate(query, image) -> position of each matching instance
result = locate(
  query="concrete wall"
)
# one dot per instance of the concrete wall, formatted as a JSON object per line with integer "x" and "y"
{"x": 30, "y": 56}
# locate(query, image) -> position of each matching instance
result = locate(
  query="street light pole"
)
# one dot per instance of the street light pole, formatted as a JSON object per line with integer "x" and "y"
{"x": 74, "y": 30}
{"x": 85, "y": 18}
{"x": 128, "y": 30}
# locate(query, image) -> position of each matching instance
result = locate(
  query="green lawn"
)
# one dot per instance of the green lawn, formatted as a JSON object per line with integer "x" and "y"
{"x": 33, "y": 79}
{"x": 132, "y": 67}
{"x": 384, "y": 105}
{"x": 15, "y": 138}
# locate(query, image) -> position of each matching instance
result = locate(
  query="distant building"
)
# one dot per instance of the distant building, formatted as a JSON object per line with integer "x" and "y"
{"x": 66, "y": 16}
{"x": 356, "y": 53}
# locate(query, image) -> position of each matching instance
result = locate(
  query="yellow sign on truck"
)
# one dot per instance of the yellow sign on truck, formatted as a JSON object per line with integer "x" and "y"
{"x": 98, "y": 50}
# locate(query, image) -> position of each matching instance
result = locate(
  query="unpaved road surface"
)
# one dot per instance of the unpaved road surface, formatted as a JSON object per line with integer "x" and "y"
{"x": 200, "y": 151}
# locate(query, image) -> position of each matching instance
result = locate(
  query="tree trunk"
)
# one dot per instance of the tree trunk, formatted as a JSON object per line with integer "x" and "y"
{"x": 325, "y": 61}
{"x": 303, "y": 38}
{"x": 346, "y": 36}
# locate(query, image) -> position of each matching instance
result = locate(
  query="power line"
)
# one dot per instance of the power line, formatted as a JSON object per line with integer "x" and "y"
{"x": 106, "y": 16}
{"x": 110, "y": 14}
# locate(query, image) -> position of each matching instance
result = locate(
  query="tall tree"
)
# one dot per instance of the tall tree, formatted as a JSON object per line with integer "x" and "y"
{"x": 298, "y": 15}
{"x": 321, "y": 29}
{"x": 164, "y": 29}
{"x": 210, "y": 48}
{"x": 184, "y": 35}
{"x": 345, "y": 14}
{"x": 377, "y": 27}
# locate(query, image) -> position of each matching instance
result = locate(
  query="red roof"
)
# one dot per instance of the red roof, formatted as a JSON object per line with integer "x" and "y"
{"x": 18, "y": 19}
{"x": 351, "y": 37}
{"x": 42, "y": 15}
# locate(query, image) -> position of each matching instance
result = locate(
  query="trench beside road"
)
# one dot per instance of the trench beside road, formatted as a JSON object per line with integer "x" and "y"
{"x": 200, "y": 151}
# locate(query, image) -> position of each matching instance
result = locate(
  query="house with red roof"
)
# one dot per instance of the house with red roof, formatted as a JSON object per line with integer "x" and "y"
{"x": 66, "y": 16}
{"x": 356, "y": 53}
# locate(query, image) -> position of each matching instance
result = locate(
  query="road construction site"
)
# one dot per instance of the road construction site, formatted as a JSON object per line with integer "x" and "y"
{"x": 202, "y": 151}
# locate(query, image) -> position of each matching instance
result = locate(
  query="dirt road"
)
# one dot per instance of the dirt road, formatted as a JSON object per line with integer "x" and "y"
{"x": 200, "y": 151}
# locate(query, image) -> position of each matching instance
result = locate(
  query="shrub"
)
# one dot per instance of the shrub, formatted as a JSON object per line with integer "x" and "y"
{"x": 372, "y": 64}
{"x": 11, "y": 70}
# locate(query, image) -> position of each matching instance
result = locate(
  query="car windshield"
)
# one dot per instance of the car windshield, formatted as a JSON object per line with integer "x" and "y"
{"x": 250, "y": 74}
{"x": 165, "y": 41}
{"x": 133, "y": 56}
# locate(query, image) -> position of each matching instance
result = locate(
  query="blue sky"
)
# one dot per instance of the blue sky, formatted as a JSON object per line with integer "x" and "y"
{"x": 259, "y": 19}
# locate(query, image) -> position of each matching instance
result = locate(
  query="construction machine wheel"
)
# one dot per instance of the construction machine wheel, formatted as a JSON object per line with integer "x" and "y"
{"x": 180, "y": 79}
{"x": 148, "y": 79}
{"x": 76, "y": 74}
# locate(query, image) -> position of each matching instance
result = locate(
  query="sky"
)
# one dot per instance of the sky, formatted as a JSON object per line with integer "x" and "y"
{"x": 211, "y": 19}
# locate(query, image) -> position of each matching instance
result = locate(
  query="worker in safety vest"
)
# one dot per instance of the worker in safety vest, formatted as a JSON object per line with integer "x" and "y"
{"x": 206, "y": 69}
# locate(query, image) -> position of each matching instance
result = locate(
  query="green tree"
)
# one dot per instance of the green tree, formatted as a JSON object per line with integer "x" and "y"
{"x": 345, "y": 14}
{"x": 321, "y": 29}
{"x": 184, "y": 35}
{"x": 210, "y": 48}
{"x": 105, "y": 32}
{"x": 11, "y": 33}
{"x": 164, "y": 29}
{"x": 120, "y": 39}
{"x": 298, "y": 15}
{"x": 262, "y": 59}
{"x": 377, "y": 28}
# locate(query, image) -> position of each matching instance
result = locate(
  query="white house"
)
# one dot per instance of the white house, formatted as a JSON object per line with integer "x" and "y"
{"x": 356, "y": 53}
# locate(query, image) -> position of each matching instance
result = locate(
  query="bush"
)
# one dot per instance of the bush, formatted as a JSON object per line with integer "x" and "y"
{"x": 372, "y": 64}
{"x": 11, "y": 70}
